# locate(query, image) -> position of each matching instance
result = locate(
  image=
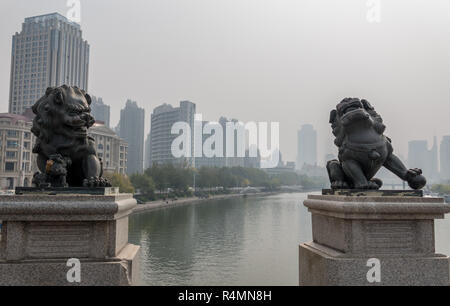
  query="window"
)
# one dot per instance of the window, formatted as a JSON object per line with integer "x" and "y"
{"x": 26, "y": 145}
{"x": 26, "y": 167}
{"x": 11, "y": 154}
{"x": 10, "y": 167}
{"x": 13, "y": 134}
{"x": 12, "y": 144}
{"x": 27, "y": 135}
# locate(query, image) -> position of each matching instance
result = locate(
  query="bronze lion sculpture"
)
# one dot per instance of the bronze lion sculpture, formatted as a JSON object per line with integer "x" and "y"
{"x": 363, "y": 149}
{"x": 66, "y": 154}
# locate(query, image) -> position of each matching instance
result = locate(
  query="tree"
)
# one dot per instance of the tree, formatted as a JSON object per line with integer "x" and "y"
{"x": 122, "y": 181}
{"x": 144, "y": 184}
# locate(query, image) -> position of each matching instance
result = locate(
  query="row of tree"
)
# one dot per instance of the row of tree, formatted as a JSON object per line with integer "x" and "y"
{"x": 161, "y": 180}
{"x": 441, "y": 188}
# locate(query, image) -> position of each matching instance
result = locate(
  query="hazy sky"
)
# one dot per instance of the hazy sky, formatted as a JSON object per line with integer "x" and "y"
{"x": 289, "y": 61}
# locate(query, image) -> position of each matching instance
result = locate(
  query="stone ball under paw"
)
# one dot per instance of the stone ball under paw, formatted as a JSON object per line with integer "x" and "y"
{"x": 417, "y": 182}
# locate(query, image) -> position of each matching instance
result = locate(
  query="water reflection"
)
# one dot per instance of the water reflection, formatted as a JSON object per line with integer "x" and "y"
{"x": 230, "y": 242}
{"x": 250, "y": 241}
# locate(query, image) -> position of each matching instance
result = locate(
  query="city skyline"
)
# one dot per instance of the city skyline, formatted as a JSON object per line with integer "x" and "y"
{"x": 284, "y": 83}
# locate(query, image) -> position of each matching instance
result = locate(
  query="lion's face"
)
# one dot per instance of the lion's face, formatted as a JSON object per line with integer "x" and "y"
{"x": 65, "y": 111}
{"x": 351, "y": 111}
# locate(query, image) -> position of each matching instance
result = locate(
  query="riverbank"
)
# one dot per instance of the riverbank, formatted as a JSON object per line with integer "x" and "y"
{"x": 194, "y": 200}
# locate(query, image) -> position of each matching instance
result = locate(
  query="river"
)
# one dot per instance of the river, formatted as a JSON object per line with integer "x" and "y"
{"x": 233, "y": 242}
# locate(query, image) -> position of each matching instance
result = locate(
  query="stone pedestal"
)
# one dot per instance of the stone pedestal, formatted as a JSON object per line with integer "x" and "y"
{"x": 40, "y": 233}
{"x": 396, "y": 231}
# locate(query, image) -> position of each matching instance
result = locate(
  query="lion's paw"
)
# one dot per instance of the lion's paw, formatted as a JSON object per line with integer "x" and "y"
{"x": 340, "y": 185}
{"x": 94, "y": 182}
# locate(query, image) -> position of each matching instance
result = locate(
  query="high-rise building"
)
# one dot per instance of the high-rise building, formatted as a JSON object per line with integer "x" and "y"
{"x": 445, "y": 158}
{"x": 420, "y": 157}
{"x": 101, "y": 111}
{"x": 307, "y": 146}
{"x": 148, "y": 148}
{"x": 208, "y": 161}
{"x": 17, "y": 162}
{"x": 110, "y": 148}
{"x": 161, "y": 137}
{"x": 49, "y": 51}
{"x": 132, "y": 124}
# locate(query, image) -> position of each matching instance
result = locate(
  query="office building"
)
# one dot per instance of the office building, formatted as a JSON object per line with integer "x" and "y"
{"x": 161, "y": 137}
{"x": 419, "y": 156}
{"x": 307, "y": 146}
{"x": 132, "y": 124}
{"x": 17, "y": 162}
{"x": 110, "y": 148}
{"x": 49, "y": 51}
{"x": 445, "y": 158}
{"x": 101, "y": 111}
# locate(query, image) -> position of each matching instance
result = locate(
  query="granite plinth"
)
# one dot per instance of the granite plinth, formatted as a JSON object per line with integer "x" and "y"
{"x": 41, "y": 232}
{"x": 69, "y": 190}
{"x": 396, "y": 230}
{"x": 373, "y": 193}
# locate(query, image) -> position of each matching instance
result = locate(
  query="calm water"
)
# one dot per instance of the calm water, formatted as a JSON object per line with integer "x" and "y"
{"x": 250, "y": 241}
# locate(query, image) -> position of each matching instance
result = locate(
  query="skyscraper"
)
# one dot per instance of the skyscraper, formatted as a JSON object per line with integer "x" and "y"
{"x": 132, "y": 124}
{"x": 307, "y": 146}
{"x": 148, "y": 148}
{"x": 420, "y": 157}
{"x": 445, "y": 158}
{"x": 101, "y": 111}
{"x": 49, "y": 51}
{"x": 161, "y": 137}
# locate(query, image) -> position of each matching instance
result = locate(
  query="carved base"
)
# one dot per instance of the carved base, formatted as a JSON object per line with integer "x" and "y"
{"x": 322, "y": 266}
{"x": 40, "y": 233}
{"x": 350, "y": 230}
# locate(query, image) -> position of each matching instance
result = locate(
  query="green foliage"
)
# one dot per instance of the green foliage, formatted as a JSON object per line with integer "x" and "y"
{"x": 143, "y": 184}
{"x": 441, "y": 188}
{"x": 122, "y": 181}
{"x": 170, "y": 181}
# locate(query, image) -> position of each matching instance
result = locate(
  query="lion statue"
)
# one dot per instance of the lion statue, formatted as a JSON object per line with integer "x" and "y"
{"x": 66, "y": 154}
{"x": 363, "y": 149}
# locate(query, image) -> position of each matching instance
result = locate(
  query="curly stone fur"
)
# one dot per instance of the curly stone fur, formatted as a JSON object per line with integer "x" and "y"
{"x": 65, "y": 151}
{"x": 363, "y": 149}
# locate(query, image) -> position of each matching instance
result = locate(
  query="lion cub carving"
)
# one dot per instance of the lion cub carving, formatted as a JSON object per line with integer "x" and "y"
{"x": 363, "y": 149}
{"x": 66, "y": 154}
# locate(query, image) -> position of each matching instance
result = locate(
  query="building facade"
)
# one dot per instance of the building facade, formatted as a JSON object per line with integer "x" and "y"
{"x": 49, "y": 51}
{"x": 110, "y": 148}
{"x": 161, "y": 137}
{"x": 148, "y": 148}
{"x": 307, "y": 146}
{"x": 101, "y": 111}
{"x": 17, "y": 162}
{"x": 445, "y": 158}
{"x": 419, "y": 156}
{"x": 132, "y": 124}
